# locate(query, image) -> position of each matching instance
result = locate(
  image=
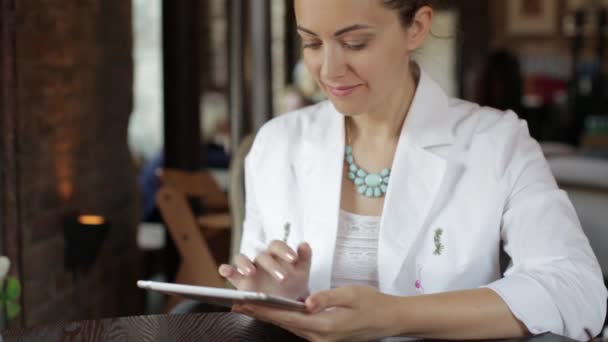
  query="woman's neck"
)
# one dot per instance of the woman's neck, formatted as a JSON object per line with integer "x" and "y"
{"x": 384, "y": 125}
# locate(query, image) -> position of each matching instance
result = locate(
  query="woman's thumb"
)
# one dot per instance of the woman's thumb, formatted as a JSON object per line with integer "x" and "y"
{"x": 304, "y": 255}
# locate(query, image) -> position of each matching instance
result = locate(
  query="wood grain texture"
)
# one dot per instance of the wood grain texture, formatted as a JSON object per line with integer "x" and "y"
{"x": 215, "y": 327}
{"x": 187, "y": 327}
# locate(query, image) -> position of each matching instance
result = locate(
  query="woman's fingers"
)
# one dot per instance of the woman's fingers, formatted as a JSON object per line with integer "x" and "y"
{"x": 270, "y": 265}
{"x": 231, "y": 273}
{"x": 244, "y": 265}
{"x": 279, "y": 261}
{"x": 342, "y": 296}
{"x": 236, "y": 273}
{"x": 304, "y": 256}
{"x": 279, "y": 249}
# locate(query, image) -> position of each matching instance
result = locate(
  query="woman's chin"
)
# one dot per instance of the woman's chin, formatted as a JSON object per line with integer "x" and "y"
{"x": 347, "y": 108}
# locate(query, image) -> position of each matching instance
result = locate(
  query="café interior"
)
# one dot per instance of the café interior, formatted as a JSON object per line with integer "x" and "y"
{"x": 125, "y": 126}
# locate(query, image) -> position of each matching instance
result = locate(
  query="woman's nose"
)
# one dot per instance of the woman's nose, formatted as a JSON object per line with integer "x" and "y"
{"x": 334, "y": 65}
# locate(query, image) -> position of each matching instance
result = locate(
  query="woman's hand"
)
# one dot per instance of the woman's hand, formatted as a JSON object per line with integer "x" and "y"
{"x": 279, "y": 270}
{"x": 350, "y": 313}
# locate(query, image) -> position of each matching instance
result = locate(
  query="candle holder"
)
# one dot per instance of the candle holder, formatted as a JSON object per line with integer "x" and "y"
{"x": 84, "y": 235}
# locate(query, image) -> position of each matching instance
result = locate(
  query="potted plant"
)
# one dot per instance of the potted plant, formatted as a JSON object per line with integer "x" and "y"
{"x": 10, "y": 290}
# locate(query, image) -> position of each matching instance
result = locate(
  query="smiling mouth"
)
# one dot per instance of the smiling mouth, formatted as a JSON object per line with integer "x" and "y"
{"x": 342, "y": 91}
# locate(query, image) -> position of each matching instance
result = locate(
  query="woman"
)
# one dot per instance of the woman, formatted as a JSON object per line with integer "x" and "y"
{"x": 388, "y": 203}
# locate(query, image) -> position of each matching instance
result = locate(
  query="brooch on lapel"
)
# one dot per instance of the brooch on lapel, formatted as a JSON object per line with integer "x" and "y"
{"x": 286, "y": 231}
{"x": 439, "y": 247}
{"x": 418, "y": 283}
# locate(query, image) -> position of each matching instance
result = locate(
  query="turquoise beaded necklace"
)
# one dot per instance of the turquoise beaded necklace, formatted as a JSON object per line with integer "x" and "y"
{"x": 371, "y": 185}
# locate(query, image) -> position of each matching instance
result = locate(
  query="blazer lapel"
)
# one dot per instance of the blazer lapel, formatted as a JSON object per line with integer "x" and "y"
{"x": 421, "y": 181}
{"x": 320, "y": 166}
{"x": 415, "y": 182}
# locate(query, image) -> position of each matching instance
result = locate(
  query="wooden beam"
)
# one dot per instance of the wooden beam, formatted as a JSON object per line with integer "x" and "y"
{"x": 261, "y": 87}
{"x": 182, "y": 87}
{"x": 237, "y": 74}
{"x": 10, "y": 205}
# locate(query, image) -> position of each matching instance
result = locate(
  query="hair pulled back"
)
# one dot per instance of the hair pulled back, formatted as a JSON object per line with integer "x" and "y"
{"x": 407, "y": 9}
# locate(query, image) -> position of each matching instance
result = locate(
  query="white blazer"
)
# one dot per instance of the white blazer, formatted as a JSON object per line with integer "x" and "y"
{"x": 464, "y": 178}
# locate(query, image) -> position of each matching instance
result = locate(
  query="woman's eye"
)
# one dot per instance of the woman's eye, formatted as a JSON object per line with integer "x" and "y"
{"x": 355, "y": 46}
{"x": 311, "y": 45}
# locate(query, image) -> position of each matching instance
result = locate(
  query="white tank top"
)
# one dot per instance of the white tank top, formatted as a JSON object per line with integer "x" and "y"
{"x": 356, "y": 254}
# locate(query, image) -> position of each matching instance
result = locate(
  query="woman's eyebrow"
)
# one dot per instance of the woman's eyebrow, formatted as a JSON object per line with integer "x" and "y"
{"x": 339, "y": 32}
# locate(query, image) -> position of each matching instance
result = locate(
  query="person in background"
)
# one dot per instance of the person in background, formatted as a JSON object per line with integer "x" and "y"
{"x": 384, "y": 208}
{"x": 215, "y": 151}
{"x": 501, "y": 84}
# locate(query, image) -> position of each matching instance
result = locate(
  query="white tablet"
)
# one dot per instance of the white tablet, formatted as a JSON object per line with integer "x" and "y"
{"x": 222, "y": 297}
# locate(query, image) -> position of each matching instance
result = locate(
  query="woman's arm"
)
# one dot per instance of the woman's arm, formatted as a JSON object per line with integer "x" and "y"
{"x": 469, "y": 314}
{"x": 360, "y": 313}
{"x": 554, "y": 283}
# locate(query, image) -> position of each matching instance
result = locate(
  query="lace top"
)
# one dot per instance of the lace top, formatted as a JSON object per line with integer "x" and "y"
{"x": 356, "y": 253}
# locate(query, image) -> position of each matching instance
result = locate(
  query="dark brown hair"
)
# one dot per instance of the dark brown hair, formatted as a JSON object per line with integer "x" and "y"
{"x": 407, "y": 8}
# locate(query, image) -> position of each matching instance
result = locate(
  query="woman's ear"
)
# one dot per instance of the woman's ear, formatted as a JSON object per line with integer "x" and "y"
{"x": 420, "y": 27}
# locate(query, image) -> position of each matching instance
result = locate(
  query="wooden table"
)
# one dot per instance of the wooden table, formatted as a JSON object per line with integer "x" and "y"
{"x": 186, "y": 327}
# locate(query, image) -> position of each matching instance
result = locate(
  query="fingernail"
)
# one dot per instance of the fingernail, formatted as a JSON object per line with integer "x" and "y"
{"x": 249, "y": 270}
{"x": 279, "y": 275}
{"x": 291, "y": 257}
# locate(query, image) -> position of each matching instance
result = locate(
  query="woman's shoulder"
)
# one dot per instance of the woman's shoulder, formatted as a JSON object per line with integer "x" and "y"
{"x": 287, "y": 130}
{"x": 299, "y": 119}
{"x": 485, "y": 122}
{"x": 500, "y": 136}
{"x": 295, "y": 124}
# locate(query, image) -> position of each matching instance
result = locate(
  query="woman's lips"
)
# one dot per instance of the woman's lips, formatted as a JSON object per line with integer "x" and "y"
{"x": 342, "y": 91}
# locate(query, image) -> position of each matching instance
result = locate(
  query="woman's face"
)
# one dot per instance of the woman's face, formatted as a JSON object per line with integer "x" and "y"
{"x": 357, "y": 50}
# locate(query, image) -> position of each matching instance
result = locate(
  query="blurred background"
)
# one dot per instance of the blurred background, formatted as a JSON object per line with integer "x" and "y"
{"x": 124, "y": 124}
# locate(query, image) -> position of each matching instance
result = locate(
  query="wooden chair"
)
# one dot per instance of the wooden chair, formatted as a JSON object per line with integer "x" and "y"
{"x": 191, "y": 233}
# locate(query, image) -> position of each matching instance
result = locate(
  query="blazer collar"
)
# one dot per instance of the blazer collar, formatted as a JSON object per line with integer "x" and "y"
{"x": 426, "y": 125}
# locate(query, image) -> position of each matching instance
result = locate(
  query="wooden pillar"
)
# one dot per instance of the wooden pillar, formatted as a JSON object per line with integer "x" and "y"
{"x": 181, "y": 89}
{"x": 9, "y": 201}
{"x": 181, "y": 84}
{"x": 292, "y": 48}
{"x": 237, "y": 74}
{"x": 261, "y": 87}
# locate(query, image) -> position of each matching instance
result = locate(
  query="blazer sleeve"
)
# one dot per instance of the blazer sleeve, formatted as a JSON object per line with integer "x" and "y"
{"x": 554, "y": 282}
{"x": 253, "y": 237}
